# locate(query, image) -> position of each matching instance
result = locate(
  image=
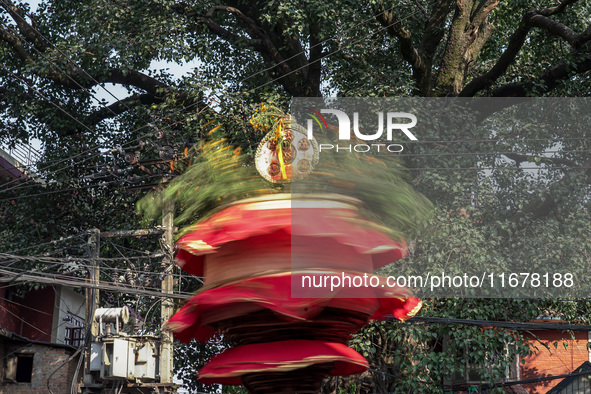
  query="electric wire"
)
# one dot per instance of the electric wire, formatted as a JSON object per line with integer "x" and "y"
{"x": 497, "y": 140}
{"x": 458, "y": 141}
{"x": 130, "y": 249}
{"x": 96, "y": 147}
{"x": 67, "y": 75}
{"x": 17, "y": 272}
{"x": 28, "y": 307}
{"x": 76, "y": 120}
{"x": 52, "y": 242}
{"x": 103, "y": 285}
{"x": 336, "y": 51}
{"x": 80, "y": 179}
{"x": 67, "y": 58}
{"x": 102, "y": 184}
{"x": 55, "y": 66}
{"x": 513, "y": 325}
{"x": 42, "y": 258}
{"x": 24, "y": 321}
{"x": 46, "y": 257}
{"x": 484, "y": 386}
{"x": 488, "y": 168}
{"x": 46, "y": 98}
{"x": 539, "y": 155}
{"x": 21, "y": 271}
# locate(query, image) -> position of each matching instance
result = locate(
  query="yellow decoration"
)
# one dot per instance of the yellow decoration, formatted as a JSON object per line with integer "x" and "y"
{"x": 280, "y": 138}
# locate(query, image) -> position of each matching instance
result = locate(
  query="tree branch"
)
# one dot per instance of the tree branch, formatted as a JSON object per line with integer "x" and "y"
{"x": 120, "y": 107}
{"x": 422, "y": 9}
{"x": 393, "y": 26}
{"x": 557, "y": 9}
{"x": 434, "y": 33}
{"x": 263, "y": 44}
{"x": 77, "y": 78}
{"x": 548, "y": 202}
{"x": 550, "y": 78}
{"x": 553, "y": 27}
{"x": 452, "y": 62}
{"x": 29, "y": 32}
{"x": 483, "y": 33}
{"x": 16, "y": 44}
{"x": 73, "y": 77}
{"x": 519, "y": 158}
{"x": 134, "y": 78}
{"x": 583, "y": 38}
{"x": 530, "y": 19}
{"x": 483, "y": 10}
{"x": 261, "y": 41}
{"x": 283, "y": 51}
{"x": 468, "y": 32}
{"x": 221, "y": 32}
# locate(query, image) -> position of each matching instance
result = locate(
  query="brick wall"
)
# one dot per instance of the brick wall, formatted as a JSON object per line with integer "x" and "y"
{"x": 46, "y": 359}
{"x": 553, "y": 358}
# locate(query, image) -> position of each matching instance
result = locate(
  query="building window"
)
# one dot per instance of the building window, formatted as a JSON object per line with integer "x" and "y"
{"x": 476, "y": 372}
{"x": 19, "y": 368}
{"x": 74, "y": 330}
{"x": 24, "y": 368}
{"x": 8, "y": 295}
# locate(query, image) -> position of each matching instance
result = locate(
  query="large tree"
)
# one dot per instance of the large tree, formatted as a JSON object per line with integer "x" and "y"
{"x": 97, "y": 154}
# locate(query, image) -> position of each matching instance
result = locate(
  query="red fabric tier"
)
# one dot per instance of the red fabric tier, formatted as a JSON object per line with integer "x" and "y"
{"x": 284, "y": 356}
{"x": 274, "y": 221}
{"x": 198, "y": 317}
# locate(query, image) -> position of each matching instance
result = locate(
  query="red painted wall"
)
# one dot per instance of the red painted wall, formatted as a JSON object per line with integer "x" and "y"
{"x": 31, "y": 316}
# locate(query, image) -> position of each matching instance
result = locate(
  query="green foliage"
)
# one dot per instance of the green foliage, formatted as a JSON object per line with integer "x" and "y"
{"x": 199, "y": 354}
{"x": 219, "y": 175}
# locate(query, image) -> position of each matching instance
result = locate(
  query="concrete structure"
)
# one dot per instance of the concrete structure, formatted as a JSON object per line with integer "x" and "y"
{"x": 16, "y": 162}
{"x": 40, "y": 334}
{"x": 33, "y": 366}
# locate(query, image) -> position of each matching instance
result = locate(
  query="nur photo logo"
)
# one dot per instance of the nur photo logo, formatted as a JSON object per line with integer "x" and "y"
{"x": 390, "y": 124}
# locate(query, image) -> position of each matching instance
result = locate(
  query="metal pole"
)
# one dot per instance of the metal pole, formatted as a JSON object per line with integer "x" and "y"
{"x": 167, "y": 306}
{"x": 92, "y": 300}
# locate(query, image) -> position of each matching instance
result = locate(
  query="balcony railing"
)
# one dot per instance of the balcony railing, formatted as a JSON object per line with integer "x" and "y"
{"x": 26, "y": 155}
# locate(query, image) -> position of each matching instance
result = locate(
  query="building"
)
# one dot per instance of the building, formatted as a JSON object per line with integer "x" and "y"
{"x": 558, "y": 363}
{"x": 15, "y": 163}
{"x": 40, "y": 337}
{"x": 555, "y": 353}
{"x": 579, "y": 383}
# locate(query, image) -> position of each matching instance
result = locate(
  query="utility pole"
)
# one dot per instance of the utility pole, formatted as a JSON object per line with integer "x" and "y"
{"x": 96, "y": 277}
{"x": 167, "y": 306}
{"x": 92, "y": 299}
